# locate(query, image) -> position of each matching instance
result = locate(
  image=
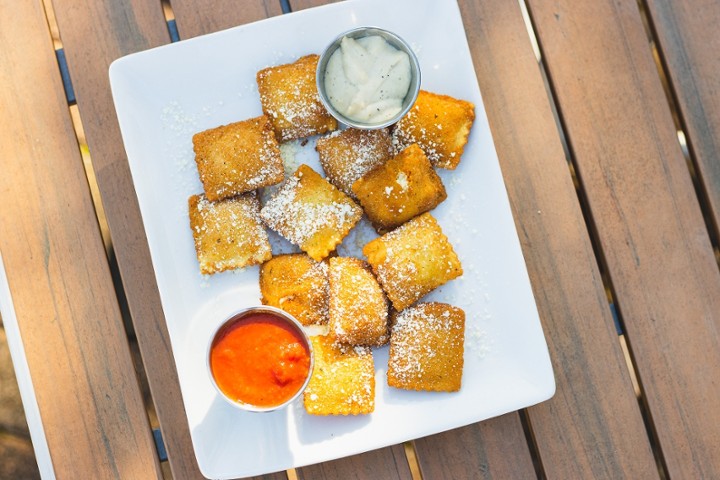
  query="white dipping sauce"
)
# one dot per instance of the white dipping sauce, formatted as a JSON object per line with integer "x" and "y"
{"x": 366, "y": 79}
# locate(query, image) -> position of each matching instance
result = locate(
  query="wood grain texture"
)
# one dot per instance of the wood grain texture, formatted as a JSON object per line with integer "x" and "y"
{"x": 386, "y": 463}
{"x": 592, "y": 427}
{"x": 87, "y": 392}
{"x": 197, "y": 18}
{"x": 688, "y": 40}
{"x": 94, "y": 33}
{"x": 297, "y": 5}
{"x": 496, "y": 448}
{"x": 648, "y": 221}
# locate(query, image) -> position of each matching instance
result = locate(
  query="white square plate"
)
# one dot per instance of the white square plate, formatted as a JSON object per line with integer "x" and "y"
{"x": 165, "y": 95}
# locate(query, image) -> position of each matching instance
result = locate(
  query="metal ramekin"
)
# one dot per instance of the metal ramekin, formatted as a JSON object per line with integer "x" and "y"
{"x": 230, "y": 322}
{"x": 393, "y": 40}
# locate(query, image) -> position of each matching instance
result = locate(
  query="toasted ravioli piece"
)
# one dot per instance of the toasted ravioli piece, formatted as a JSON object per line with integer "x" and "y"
{"x": 346, "y": 155}
{"x": 426, "y": 348}
{"x": 342, "y": 381}
{"x": 289, "y": 97}
{"x": 237, "y": 158}
{"x": 413, "y": 260}
{"x": 440, "y": 125}
{"x": 311, "y": 213}
{"x": 358, "y": 308}
{"x": 297, "y": 284}
{"x": 400, "y": 189}
{"x": 228, "y": 234}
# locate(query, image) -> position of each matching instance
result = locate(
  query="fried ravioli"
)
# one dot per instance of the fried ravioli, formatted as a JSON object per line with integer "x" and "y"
{"x": 349, "y": 154}
{"x": 289, "y": 97}
{"x": 413, "y": 260}
{"x": 358, "y": 309}
{"x": 311, "y": 213}
{"x": 297, "y": 284}
{"x": 342, "y": 381}
{"x": 440, "y": 125}
{"x": 228, "y": 234}
{"x": 237, "y": 158}
{"x": 426, "y": 348}
{"x": 402, "y": 188}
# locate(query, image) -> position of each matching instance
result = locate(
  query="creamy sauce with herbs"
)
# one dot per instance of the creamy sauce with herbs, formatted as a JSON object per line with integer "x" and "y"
{"x": 366, "y": 79}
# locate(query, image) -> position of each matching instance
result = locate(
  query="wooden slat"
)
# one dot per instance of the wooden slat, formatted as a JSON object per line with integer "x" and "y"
{"x": 94, "y": 33}
{"x": 592, "y": 427}
{"x": 383, "y": 463}
{"x": 688, "y": 40}
{"x": 648, "y": 221}
{"x": 297, "y": 5}
{"x": 495, "y": 448}
{"x": 88, "y": 396}
{"x": 197, "y": 18}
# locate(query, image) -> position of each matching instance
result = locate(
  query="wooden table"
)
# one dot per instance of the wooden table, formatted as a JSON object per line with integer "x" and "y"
{"x": 608, "y": 134}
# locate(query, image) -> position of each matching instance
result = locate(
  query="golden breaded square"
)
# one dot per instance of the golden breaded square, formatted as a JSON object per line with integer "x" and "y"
{"x": 426, "y": 348}
{"x": 237, "y": 158}
{"x": 297, "y": 284}
{"x": 402, "y": 188}
{"x": 342, "y": 381}
{"x": 289, "y": 97}
{"x": 228, "y": 234}
{"x": 440, "y": 125}
{"x": 358, "y": 308}
{"x": 311, "y": 213}
{"x": 413, "y": 260}
{"x": 349, "y": 154}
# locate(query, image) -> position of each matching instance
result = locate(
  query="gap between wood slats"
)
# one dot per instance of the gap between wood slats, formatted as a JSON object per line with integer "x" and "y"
{"x": 680, "y": 126}
{"x": 532, "y": 444}
{"x": 594, "y": 239}
{"x": 105, "y": 232}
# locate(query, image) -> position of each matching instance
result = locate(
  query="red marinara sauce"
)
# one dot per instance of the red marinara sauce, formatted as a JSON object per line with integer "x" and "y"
{"x": 260, "y": 360}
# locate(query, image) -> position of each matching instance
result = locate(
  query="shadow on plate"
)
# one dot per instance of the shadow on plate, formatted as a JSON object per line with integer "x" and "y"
{"x": 320, "y": 428}
{"x": 229, "y": 437}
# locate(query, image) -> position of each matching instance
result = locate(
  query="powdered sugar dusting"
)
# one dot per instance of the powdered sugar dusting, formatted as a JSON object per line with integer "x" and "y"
{"x": 228, "y": 234}
{"x": 423, "y": 337}
{"x": 358, "y": 308}
{"x": 349, "y": 154}
{"x": 289, "y": 96}
{"x": 180, "y": 125}
{"x": 417, "y": 258}
{"x": 298, "y": 220}
{"x": 477, "y": 341}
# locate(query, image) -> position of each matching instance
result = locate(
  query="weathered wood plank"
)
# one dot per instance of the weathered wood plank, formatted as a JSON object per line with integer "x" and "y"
{"x": 94, "y": 33}
{"x": 496, "y": 448}
{"x": 688, "y": 41}
{"x": 649, "y": 225}
{"x": 297, "y": 5}
{"x": 592, "y": 427}
{"x": 87, "y": 392}
{"x": 389, "y": 462}
{"x": 198, "y": 18}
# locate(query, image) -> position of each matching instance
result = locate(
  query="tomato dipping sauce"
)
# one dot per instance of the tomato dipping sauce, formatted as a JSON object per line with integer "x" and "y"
{"x": 260, "y": 359}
